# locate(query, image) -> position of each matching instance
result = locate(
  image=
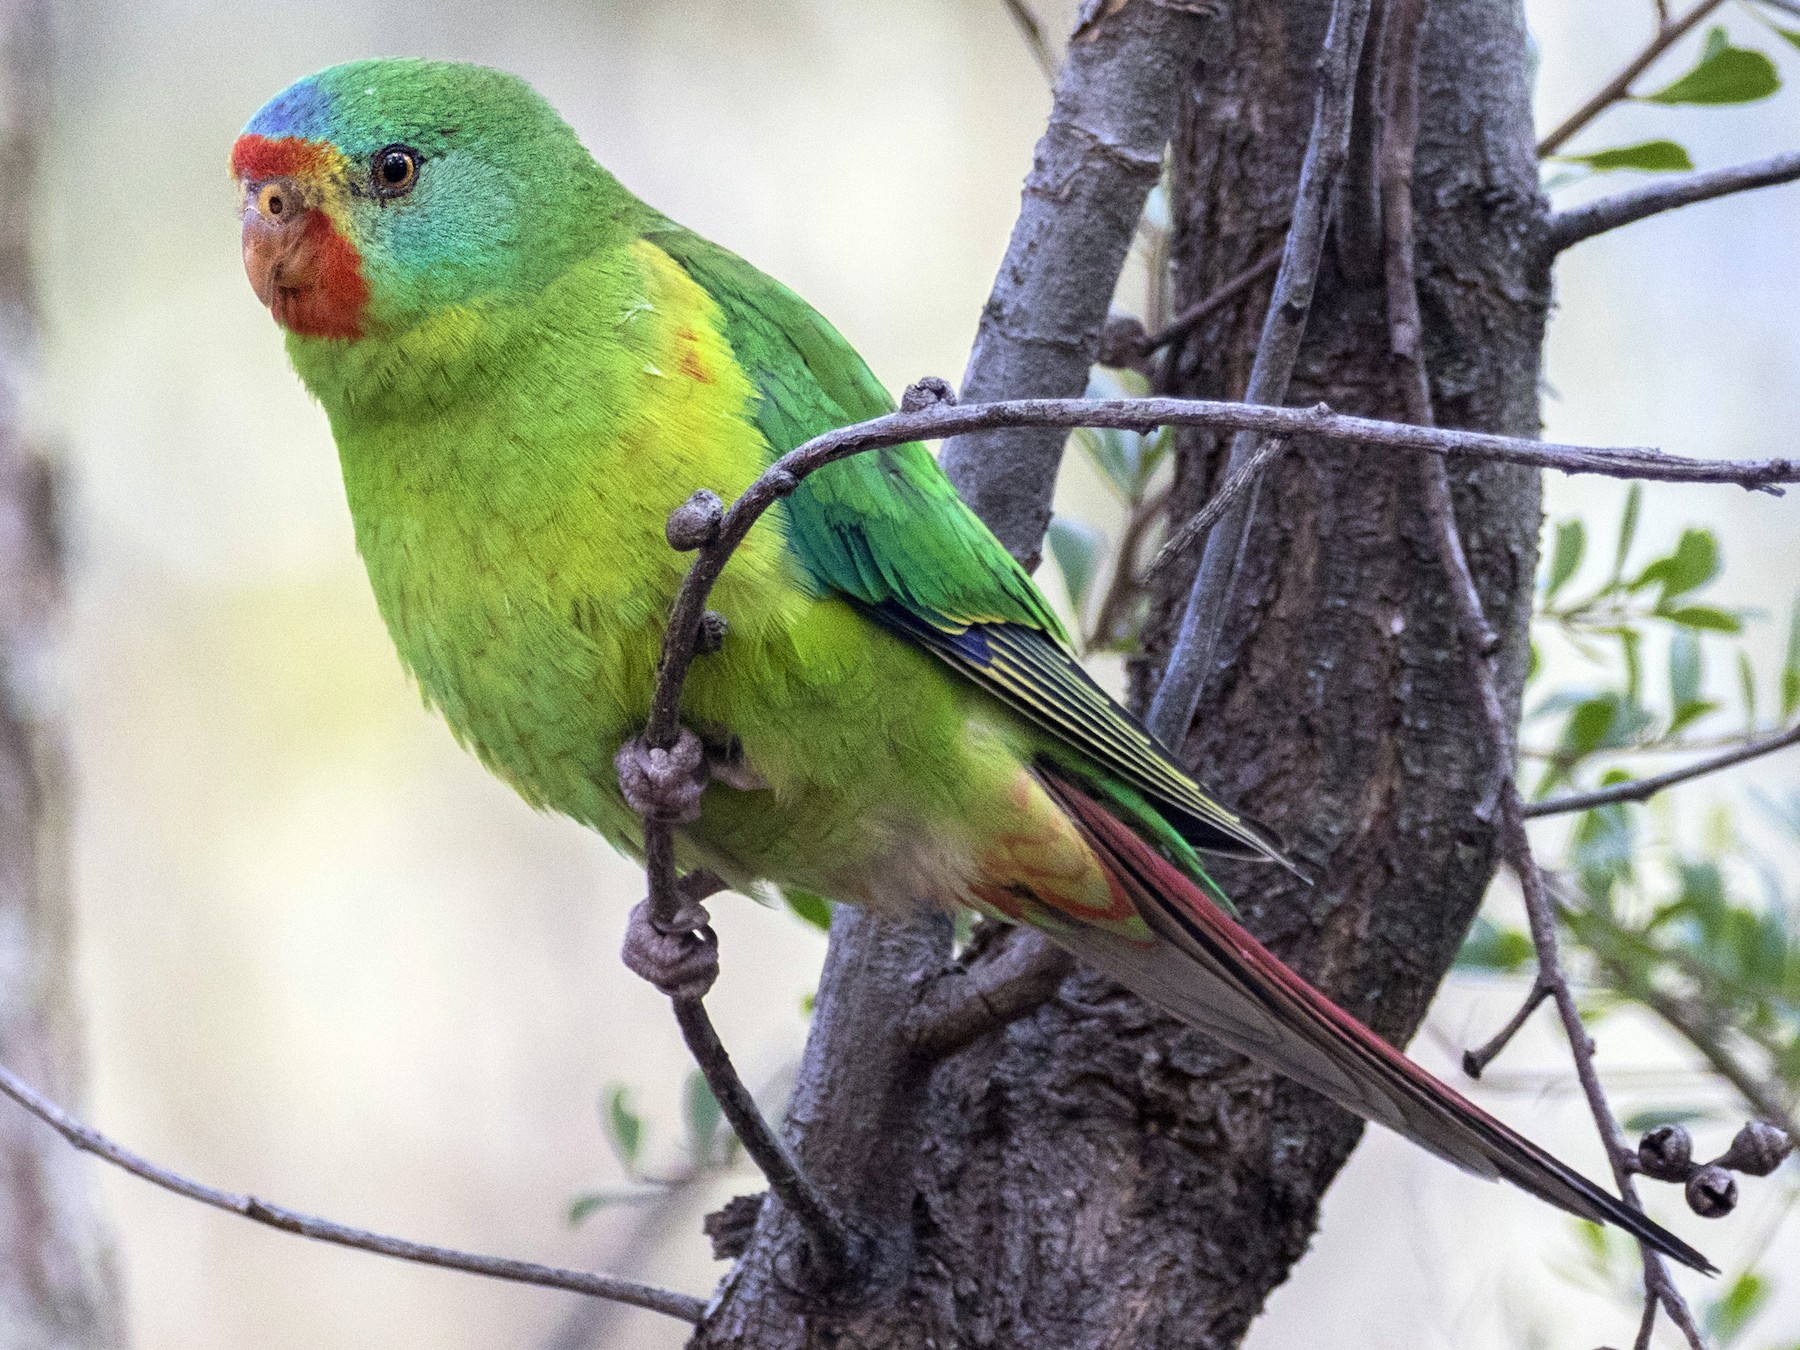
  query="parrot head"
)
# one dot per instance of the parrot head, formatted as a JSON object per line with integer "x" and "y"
{"x": 378, "y": 193}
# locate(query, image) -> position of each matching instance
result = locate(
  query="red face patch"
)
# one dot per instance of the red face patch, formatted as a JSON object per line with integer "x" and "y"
{"x": 260, "y": 157}
{"x": 308, "y": 272}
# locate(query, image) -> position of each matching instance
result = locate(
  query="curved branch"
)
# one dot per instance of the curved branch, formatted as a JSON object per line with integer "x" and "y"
{"x": 1570, "y": 227}
{"x": 683, "y": 1307}
{"x": 1641, "y": 789}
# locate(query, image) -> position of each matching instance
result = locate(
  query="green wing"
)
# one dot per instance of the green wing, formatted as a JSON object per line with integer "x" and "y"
{"x": 886, "y": 529}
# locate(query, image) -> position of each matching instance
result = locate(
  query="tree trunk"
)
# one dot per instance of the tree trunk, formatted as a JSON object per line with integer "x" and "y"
{"x": 57, "y": 1287}
{"x": 1097, "y": 1175}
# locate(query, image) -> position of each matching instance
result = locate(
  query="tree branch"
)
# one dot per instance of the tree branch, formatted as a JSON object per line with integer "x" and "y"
{"x": 962, "y": 1008}
{"x": 1191, "y": 317}
{"x": 923, "y": 419}
{"x": 1190, "y": 660}
{"x": 1095, "y": 164}
{"x": 1475, "y": 1061}
{"x": 1619, "y": 87}
{"x": 1570, "y": 227}
{"x": 1481, "y": 645}
{"x": 683, "y": 1307}
{"x": 1642, "y": 789}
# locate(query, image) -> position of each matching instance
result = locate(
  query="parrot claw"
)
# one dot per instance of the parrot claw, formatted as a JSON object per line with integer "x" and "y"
{"x": 681, "y": 964}
{"x": 663, "y": 785}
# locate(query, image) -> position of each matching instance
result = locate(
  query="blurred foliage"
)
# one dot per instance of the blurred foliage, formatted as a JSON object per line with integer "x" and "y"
{"x": 1135, "y": 468}
{"x": 1702, "y": 932}
{"x": 709, "y": 1147}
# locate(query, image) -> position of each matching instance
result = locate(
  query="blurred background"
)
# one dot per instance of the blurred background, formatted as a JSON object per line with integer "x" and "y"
{"x": 326, "y": 959}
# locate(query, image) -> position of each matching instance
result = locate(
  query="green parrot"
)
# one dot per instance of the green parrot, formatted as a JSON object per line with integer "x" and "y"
{"x": 526, "y": 369}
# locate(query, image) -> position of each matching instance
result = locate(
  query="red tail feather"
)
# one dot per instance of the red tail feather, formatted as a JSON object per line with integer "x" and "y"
{"x": 1209, "y": 971}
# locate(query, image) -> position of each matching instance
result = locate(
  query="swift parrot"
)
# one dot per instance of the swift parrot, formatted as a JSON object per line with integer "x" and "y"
{"x": 526, "y": 369}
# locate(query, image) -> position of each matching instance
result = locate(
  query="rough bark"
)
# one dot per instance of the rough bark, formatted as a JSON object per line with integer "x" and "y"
{"x": 1096, "y": 1175}
{"x": 57, "y": 1289}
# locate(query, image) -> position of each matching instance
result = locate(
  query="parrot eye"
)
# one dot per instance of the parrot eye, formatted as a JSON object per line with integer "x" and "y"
{"x": 394, "y": 170}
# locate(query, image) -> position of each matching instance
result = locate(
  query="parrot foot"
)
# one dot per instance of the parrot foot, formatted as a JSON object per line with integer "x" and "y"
{"x": 681, "y": 955}
{"x": 681, "y": 965}
{"x": 663, "y": 785}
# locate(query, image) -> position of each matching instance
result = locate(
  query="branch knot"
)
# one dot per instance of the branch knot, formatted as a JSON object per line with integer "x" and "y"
{"x": 929, "y": 392}
{"x": 695, "y": 523}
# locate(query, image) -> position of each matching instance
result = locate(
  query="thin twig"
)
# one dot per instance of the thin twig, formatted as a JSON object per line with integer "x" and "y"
{"x": 1641, "y": 789}
{"x": 1624, "y": 208}
{"x": 962, "y": 1008}
{"x": 1145, "y": 414}
{"x": 1476, "y": 1060}
{"x": 1318, "y": 422}
{"x": 829, "y": 1242}
{"x": 1032, "y": 30}
{"x": 1195, "y": 314}
{"x": 1190, "y": 660}
{"x": 1619, "y": 87}
{"x": 1203, "y": 519}
{"x": 683, "y": 1307}
{"x": 1479, "y": 640}
{"x": 1540, "y": 913}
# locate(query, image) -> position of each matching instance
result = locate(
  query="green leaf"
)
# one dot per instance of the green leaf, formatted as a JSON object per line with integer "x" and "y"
{"x": 1747, "y": 688}
{"x": 1791, "y": 35}
{"x": 1565, "y": 556}
{"x": 1686, "y": 714}
{"x": 1727, "y": 1317}
{"x": 1704, "y": 616}
{"x": 815, "y": 909}
{"x": 1114, "y": 453}
{"x": 701, "y": 1111}
{"x": 586, "y": 1205}
{"x": 624, "y": 1127}
{"x": 1491, "y": 947}
{"x": 1628, "y": 523}
{"x": 1724, "y": 74}
{"x": 1077, "y": 547}
{"x": 1685, "y": 669}
{"x": 1648, "y": 156}
{"x": 1694, "y": 562}
{"x": 1790, "y": 670}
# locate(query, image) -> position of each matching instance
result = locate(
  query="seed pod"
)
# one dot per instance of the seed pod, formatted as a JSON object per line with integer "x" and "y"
{"x": 1758, "y": 1149}
{"x": 1712, "y": 1192}
{"x": 1666, "y": 1154}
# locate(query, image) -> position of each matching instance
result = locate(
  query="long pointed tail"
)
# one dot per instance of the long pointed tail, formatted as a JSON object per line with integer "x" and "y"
{"x": 1209, "y": 971}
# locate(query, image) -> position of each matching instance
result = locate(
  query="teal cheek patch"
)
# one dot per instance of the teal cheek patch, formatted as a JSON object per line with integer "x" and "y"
{"x": 449, "y": 240}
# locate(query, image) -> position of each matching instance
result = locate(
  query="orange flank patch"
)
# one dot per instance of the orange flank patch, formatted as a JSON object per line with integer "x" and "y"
{"x": 692, "y": 365}
{"x": 1041, "y": 871}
